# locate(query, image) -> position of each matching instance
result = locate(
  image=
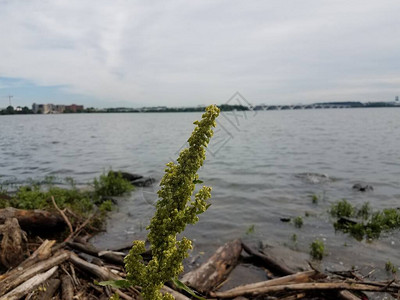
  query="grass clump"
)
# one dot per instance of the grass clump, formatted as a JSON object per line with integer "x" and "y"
{"x": 317, "y": 249}
{"x": 294, "y": 238}
{"x": 342, "y": 208}
{"x": 389, "y": 267}
{"x": 364, "y": 212}
{"x": 34, "y": 197}
{"x": 298, "y": 222}
{"x": 250, "y": 229}
{"x": 111, "y": 184}
{"x": 314, "y": 198}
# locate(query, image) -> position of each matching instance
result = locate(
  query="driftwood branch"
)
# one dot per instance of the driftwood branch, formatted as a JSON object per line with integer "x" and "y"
{"x": 216, "y": 269}
{"x": 29, "y": 285}
{"x": 23, "y": 275}
{"x": 254, "y": 287}
{"x": 62, "y": 214}
{"x": 316, "y": 286}
{"x": 99, "y": 272}
{"x": 41, "y": 253}
{"x": 67, "y": 287}
{"x": 91, "y": 250}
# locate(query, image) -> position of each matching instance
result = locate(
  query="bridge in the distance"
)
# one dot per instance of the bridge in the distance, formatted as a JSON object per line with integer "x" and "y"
{"x": 301, "y": 106}
{"x": 326, "y": 105}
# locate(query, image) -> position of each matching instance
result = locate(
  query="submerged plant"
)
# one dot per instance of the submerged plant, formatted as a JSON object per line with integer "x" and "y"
{"x": 365, "y": 211}
{"x": 342, "y": 208}
{"x": 173, "y": 213}
{"x": 389, "y": 267}
{"x": 298, "y": 222}
{"x": 250, "y": 230}
{"x": 314, "y": 198}
{"x": 317, "y": 249}
{"x": 369, "y": 224}
{"x": 111, "y": 184}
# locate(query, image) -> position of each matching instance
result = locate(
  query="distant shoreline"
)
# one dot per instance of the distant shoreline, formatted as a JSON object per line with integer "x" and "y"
{"x": 223, "y": 107}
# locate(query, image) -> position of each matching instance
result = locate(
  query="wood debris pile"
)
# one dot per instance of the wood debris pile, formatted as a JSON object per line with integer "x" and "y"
{"x": 70, "y": 270}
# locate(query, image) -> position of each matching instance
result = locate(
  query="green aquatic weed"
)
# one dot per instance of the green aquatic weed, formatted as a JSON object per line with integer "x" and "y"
{"x": 314, "y": 198}
{"x": 317, "y": 249}
{"x": 370, "y": 225}
{"x": 298, "y": 222}
{"x": 294, "y": 237}
{"x": 250, "y": 230}
{"x": 365, "y": 211}
{"x": 342, "y": 208}
{"x": 389, "y": 267}
{"x": 175, "y": 209}
{"x": 111, "y": 184}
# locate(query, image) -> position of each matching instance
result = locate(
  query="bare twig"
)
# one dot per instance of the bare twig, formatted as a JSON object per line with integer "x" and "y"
{"x": 62, "y": 214}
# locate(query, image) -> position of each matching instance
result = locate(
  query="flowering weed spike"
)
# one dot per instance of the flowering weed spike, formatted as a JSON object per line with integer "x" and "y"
{"x": 175, "y": 209}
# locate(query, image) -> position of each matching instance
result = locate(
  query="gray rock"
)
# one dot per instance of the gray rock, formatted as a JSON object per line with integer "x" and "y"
{"x": 363, "y": 188}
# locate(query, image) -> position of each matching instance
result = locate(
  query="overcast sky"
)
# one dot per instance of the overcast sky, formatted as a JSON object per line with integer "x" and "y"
{"x": 183, "y": 53}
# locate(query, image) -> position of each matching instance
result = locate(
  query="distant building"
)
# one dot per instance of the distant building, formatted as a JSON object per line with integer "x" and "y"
{"x": 35, "y": 108}
{"x": 59, "y": 109}
{"x": 397, "y": 99}
{"x": 55, "y": 108}
{"x": 73, "y": 108}
{"x": 38, "y": 108}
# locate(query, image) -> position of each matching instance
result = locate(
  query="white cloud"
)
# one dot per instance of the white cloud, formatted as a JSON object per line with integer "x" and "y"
{"x": 190, "y": 52}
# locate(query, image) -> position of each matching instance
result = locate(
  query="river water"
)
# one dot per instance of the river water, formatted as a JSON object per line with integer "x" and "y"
{"x": 263, "y": 166}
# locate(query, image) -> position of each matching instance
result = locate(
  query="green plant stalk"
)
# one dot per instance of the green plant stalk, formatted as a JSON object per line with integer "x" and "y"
{"x": 175, "y": 209}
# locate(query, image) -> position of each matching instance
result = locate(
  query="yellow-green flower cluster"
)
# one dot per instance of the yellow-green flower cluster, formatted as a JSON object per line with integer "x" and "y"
{"x": 175, "y": 209}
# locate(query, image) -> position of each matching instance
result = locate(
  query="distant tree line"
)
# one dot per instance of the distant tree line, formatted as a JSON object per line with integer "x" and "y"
{"x": 9, "y": 110}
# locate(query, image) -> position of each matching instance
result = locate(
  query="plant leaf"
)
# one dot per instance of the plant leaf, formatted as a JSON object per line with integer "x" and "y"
{"x": 196, "y": 181}
{"x": 179, "y": 284}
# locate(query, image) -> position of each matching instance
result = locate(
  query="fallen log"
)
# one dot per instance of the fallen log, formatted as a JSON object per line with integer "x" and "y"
{"x": 249, "y": 288}
{"x": 33, "y": 219}
{"x": 29, "y": 285}
{"x": 216, "y": 269}
{"x": 269, "y": 262}
{"x": 23, "y": 275}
